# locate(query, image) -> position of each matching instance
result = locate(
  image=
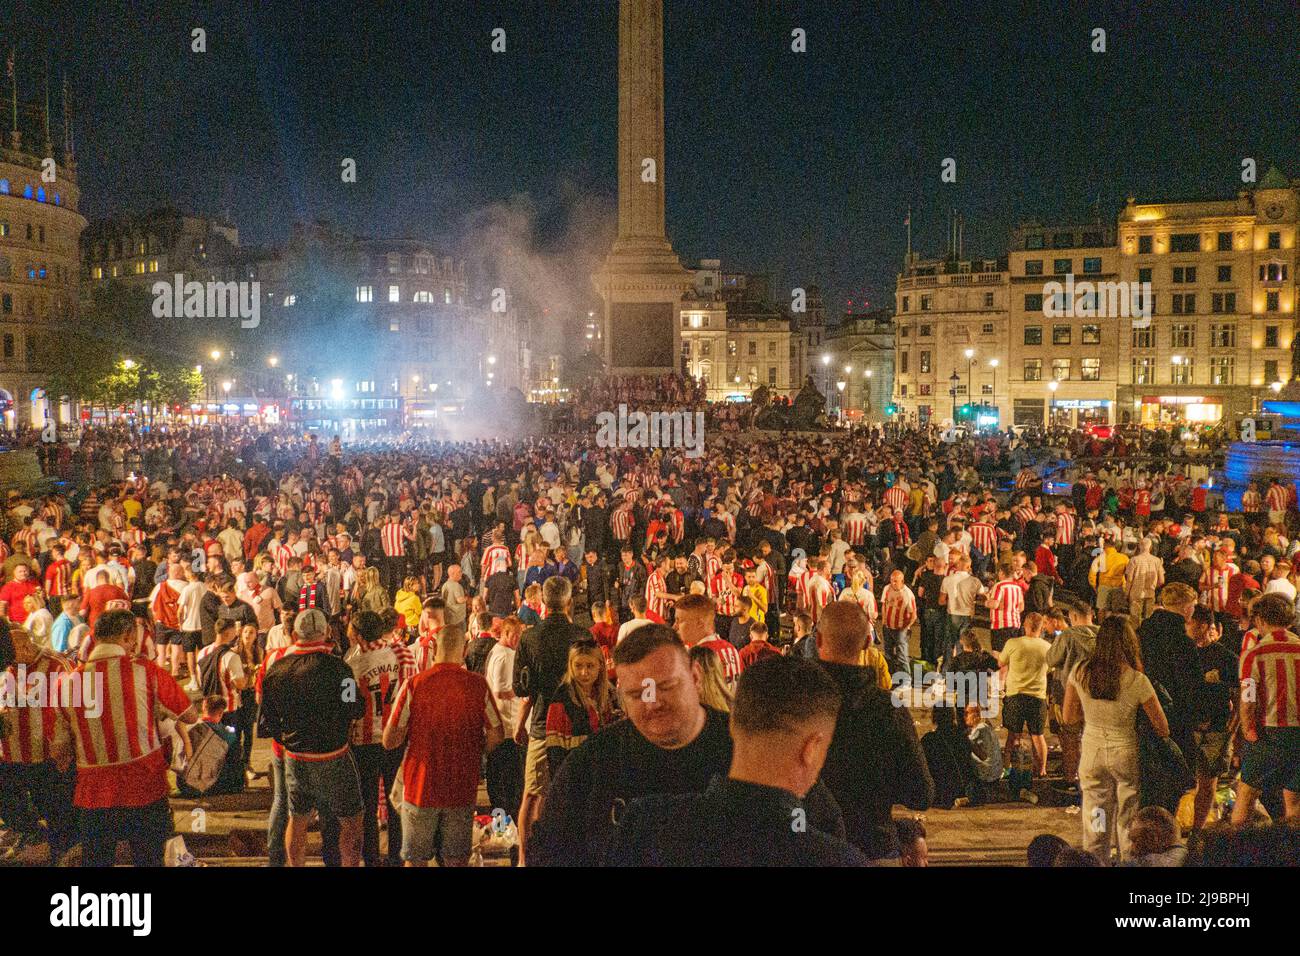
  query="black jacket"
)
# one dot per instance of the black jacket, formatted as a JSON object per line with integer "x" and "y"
{"x": 306, "y": 705}
{"x": 730, "y": 824}
{"x": 1169, "y": 658}
{"x": 875, "y": 761}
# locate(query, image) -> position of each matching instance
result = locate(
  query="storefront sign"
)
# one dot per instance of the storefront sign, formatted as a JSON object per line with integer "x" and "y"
{"x": 1081, "y": 403}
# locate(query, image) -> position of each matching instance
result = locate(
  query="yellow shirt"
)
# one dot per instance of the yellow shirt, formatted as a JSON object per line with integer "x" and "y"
{"x": 758, "y": 596}
{"x": 873, "y": 658}
{"x": 407, "y": 604}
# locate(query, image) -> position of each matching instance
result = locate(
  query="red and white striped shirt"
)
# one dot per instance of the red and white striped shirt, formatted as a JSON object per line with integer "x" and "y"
{"x": 232, "y": 670}
{"x": 496, "y": 557}
{"x": 726, "y": 600}
{"x": 730, "y": 657}
{"x": 120, "y": 761}
{"x": 393, "y": 538}
{"x": 818, "y": 593}
{"x": 423, "y": 651}
{"x": 897, "y": 497}
{"x": 282, "y": 555}
{"x": 897, "y": 607}
{"x": 985, "y": 537}
{"x": 1276, "y": 497}
{"x": 378, "y": 674}
{"x": 405, "y": 657}
{"x": 855, "y": 528}
{"x": 28, "y": 729}
{"x": 656, "y": 591}
{"x": 58, "y": 578}
{"x": 1271, "y": 669}
{"x": 620, "y": 524}
{"x": 1214, "y": 587}
{"x": 1065, "y": 528}
{"x": 1007, "y": 601}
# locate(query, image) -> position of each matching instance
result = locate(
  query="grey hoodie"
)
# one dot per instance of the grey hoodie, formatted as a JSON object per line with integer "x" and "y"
{"x": 1072, "y": 646}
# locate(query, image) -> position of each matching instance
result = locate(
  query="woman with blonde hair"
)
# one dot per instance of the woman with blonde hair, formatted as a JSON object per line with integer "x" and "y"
{"x": 1105, "y": 693}
{"x": 408, "y": 601}
{"x": 584, "y": 703}
{"x": 713, "y": 681}
{"x": 39, "y": 621}
{"x": 372, "y": 596}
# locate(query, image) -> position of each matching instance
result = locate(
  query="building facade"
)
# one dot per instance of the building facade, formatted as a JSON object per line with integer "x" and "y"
{"x": 950, "y": 336}
{"x": 40, "y": 227}
{"x": 1063, "y": 342}
{"x": 861, "y": 352}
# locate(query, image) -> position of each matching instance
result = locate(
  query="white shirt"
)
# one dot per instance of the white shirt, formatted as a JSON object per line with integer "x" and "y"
{"x": 499, "y": 673}
{"x": 1275, "y": 586}
{"x": 191, "y": 599}
{"x": 629, "y": 626}
{"x": 962, "y": 589}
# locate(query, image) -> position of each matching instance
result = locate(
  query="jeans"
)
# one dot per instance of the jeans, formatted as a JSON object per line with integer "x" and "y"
{"x": 279, "y": 818}
{"x": 1108, "y": 781}
{"x": 50, "y": 794}
{"x": 375, "y": 763}
{"x": 956, "y": 622}
{"x": 146, "y": 829}
{"x": 933, "y": 625}
{"x": 896, "y": 649}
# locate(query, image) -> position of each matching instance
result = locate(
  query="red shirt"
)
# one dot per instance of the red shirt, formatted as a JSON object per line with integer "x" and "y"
{"x": 97, "y": 598}
{"x": 15, "y": 593}
{"x": 756, "y": 651}
{"x": 445, "y": 710}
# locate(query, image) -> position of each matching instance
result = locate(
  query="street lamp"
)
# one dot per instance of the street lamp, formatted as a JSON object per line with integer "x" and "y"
{"x": 128, "y": 364}
{"x": 273, "y": 361}
{"x": 215, "y": 355}
{"x": 970, "y": 375}
{"x": 953, "y": 382}
{"x": 1276, "y": 387}
{"x": 993, "y": 364}
{"x": 840, "y": 385}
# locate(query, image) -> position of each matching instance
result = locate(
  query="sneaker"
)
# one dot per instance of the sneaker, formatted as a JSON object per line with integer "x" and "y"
{"x": 1029, "y": 796}
{"x": 961, "y": 802}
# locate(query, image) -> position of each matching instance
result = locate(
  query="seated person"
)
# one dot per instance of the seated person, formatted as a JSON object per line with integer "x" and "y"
{"x": 1156, "y": 839}
{"x": 231, "y": 778}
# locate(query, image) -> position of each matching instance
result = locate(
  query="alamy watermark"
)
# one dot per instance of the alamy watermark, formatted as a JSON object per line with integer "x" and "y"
{"x": 959, "y": 689}
{"x": 179, "y": 299}
{"x": 1102, "y": 300}
{"x": 79, "y": 690}
{"x": 626, "y": 429}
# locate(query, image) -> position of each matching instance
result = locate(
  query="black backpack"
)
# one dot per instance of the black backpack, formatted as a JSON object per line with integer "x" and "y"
{"x": 210, "y": 672}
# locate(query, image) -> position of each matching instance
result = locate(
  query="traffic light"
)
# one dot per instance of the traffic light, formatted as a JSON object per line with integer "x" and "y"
{"x": 891, "y": 409}
{"x": 965, "y": 411}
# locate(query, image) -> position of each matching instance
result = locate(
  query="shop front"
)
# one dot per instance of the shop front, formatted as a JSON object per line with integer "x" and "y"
{"x": 1080, "y": 412}
{"x": 1160, "y": 410}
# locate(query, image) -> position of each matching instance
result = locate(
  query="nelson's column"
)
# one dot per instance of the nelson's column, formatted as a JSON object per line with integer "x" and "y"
{"x": 642, "y": 281}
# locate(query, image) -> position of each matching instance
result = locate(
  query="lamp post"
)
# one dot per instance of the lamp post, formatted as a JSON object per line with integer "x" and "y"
{"x": 840, "y": 385}
{"x": 970, "y": 375}
{"x": 866, "y": 405}
{"x": 953, "y": 382}
{"x": 993, "y": 364}
{"x": 1052, "y": 386}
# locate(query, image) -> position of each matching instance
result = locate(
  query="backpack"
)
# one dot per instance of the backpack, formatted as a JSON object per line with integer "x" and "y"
{"x": 209, "y": 756}
{"x": 210, "y": 673}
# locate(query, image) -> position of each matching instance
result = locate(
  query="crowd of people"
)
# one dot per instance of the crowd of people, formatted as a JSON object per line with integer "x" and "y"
{"x": 646, "y": 658}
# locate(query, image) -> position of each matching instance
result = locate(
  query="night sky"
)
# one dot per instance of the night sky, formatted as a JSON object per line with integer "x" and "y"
{"x": 798, "y": 164}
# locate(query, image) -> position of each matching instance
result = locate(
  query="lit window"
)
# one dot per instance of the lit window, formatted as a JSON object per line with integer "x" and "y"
{"x": 4, "y": 229}
{"x": 365, "y": 293}
{"x": 97, "y": 272}
{"x": 27, "y": 192}
{"x": 4, "y": 187}
{"x": 153, "y": 265}
{"x": 394, "y": 325}
{"x": 446, "y": 296}
{"x": 40, "y": 194}
{"x": 422, "y": 296}
{"x": 290, "y": 299}
{"x": 394, "y": 293}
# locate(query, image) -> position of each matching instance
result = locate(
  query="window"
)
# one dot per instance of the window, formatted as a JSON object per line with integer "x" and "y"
{"x": 902, "y": 362}
{"x": 446, "y": 295}
{"x": 753, "y": 348}
{"x": 1270, "y": 302}
{"x": 27, "y": 191}
{"x": 1225, "y": 273}
{"x": 771, "y": 349}
{"x": 1144, "y": 371}
{"x": 731, "y": 348}
{"x": 1182, "y": 335}
{"x": 988, "y": 300}
{"x": 927, "y": 303}
{"x": 1062, "y": 266}
{"x": 1275, "y": 240}
{"x": 1091, "y": 335}
{"x": 290, "y": 300}
{"x": 1223, "y": 336}
{"x": 907, "y": 302}
{"x": 924, "y": 331}
{"x": 1033, "y": 267}
{"x": 1034, "y": 302}
{"x": 138, "y": 268}
{"x": 40, "y": 232}
{"x": 1092, "y": 264}
{"x": 6, "y": 303}
{"x": 925, "y": 389}
{"x": 424, "y": 295}
{"x": 986, "y": 328}
{"x": 153, "y": 265}
{"x": 1060, "y": 335}
{"x": 1184, "y": 303}
{"x": 1034, "y": 241}
{"x": 1144, "y": 245}
{"x": 394, "y": 293}
{"x": 1061, "y": 369}
{"x": 365, "y": 293}
{"x": 986, "y": 389}
{"x": 1270, "y": 371}
{"x": 394, "y": 261}
{"x": 1181, "y": 372}
{"x": 1090, "y": 369}
{"x": 925, "y": 361}
{"x": 8, "y": 346}
{"x": 1144, "y": 275}
{"x": 4, "y": 187}
{"x": 706, "y": 348}
{"x": 1225, "y": 242}
{"x": 1223, "y": 302}
{"x": 1269, "y": 272}
{"x": 1062, "y": 240}
{"x": 902, "y": 333}
{"x": 394, "y": 325}
{"x": 771, "y": 376}
{"x": 1184, "y": 273}
{"x": 1222, "y": 369}
{"x": 97, "y": 272}
{"x": 1185, "y": 242}
{"x": 902, "y": 391}
{"x": 1033, "y": 335}
{"x": 1270, "y": 336}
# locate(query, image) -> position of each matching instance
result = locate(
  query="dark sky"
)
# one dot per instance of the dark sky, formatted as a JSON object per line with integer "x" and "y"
{"x": 798, "y": 164}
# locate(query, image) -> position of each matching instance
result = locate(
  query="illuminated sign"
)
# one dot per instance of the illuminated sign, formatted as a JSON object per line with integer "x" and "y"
{"x": 1081, "y": 403}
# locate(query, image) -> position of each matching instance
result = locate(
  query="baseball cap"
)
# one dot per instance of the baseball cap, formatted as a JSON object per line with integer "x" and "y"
{"x": 310, "y": 623}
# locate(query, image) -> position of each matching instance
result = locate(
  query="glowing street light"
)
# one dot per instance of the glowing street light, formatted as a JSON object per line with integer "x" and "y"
{"x": 415, "y": 379}
{"x": 867, "y": 372}
{"x": 840, "y": 385}
{"x": 848, "y": 369}
{"x": 128, "y": 364}
{"x": 273, "y": 361}
{"x": 215, "y": 355}
{"x": 492, "y": 360}
{"x": 1276, "y": 387}
{"x": 226, "y": 386}
{"x": 826, "y": 359}
{"x": 1053, "y": 385}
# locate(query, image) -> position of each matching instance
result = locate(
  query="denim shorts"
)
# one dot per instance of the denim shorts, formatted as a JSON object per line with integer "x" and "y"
{"x": 441, "y": 833}
{"x": 331, "y": 786}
